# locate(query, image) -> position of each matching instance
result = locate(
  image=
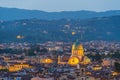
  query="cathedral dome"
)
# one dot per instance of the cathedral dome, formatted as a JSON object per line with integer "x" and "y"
{"x": 77, "y": 55}
{"x": 73, "y": 61}
{"x": 75, "y": 45}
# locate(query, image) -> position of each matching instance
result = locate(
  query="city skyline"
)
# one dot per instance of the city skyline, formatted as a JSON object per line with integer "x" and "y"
{"x": 62, "y": 5}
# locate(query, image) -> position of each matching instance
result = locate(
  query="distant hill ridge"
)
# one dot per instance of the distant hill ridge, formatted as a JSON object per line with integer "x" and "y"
{"x": 17, "y": 14}
{"x": 35, "y": 30}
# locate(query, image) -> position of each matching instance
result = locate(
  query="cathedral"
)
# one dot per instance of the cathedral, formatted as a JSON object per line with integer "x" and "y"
{"x": 77, "y": 55}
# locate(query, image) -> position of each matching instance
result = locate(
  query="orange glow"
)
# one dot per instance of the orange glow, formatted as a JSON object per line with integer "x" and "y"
{"x": 97, "y": 67}
{"x": 47, "y": 61}
{"x": 88, "y": 73}
{"x": 115, "y": 73}
{"x": 86, "y": 60}
{"x": 17, "y": 67}
{"x": 73, "y": 61}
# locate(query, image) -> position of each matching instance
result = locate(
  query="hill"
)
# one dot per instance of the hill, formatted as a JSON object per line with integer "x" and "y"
{"x": 35, "y": 30}
{"x": 17, "y": 14}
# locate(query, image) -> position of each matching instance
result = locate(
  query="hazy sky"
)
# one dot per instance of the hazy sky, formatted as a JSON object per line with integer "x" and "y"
{"x": 63, "y": 5}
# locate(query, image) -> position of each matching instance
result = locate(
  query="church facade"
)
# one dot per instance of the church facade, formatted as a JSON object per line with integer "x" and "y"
{"x": 78, "y": 56}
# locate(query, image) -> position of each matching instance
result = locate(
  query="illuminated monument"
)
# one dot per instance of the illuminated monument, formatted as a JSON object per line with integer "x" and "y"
{"x": 77, "y": 56}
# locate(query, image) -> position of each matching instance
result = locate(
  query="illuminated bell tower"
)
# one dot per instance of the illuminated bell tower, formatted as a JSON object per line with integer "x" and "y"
{"x": 59, "y": 59}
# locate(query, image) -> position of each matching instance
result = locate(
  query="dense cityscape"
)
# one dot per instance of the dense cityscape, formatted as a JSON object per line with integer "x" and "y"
{"x": 59, "y": 40}
{"x": 94, "y": 60}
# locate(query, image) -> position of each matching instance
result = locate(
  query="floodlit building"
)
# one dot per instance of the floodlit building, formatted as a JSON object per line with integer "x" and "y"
{"x": 17, "y": 67}
{"x": 77, "y": 56}
{"x": 46, "y": 61}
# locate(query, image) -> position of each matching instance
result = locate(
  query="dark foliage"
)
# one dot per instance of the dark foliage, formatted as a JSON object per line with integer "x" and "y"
{"x": 33, "y": 30}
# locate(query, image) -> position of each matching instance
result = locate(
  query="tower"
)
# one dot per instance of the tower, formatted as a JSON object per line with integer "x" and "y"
{"x": 59, "y": 59}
